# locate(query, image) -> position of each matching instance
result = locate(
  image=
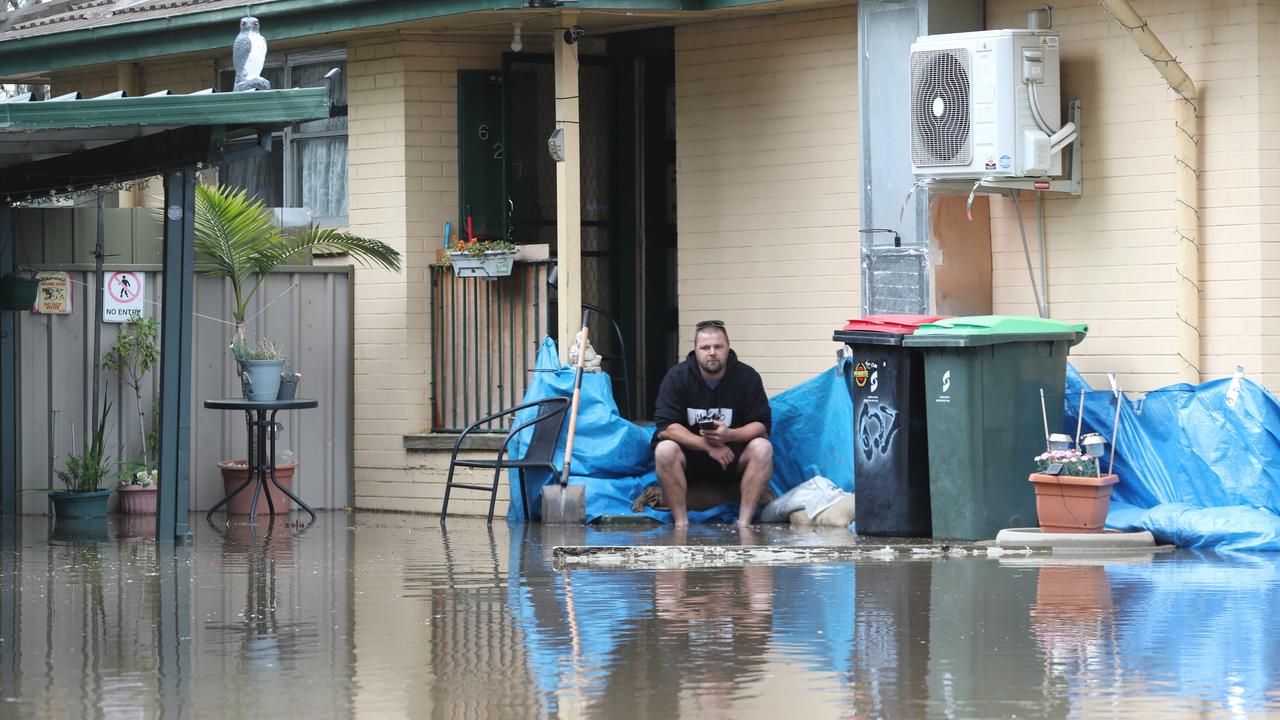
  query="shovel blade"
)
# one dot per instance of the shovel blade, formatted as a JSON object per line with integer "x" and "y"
{"x": 564, "y": 505}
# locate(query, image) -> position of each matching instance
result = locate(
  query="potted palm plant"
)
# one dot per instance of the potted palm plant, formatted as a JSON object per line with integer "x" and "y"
{"x": 131, "y": 357}
{"x": 235, "y": 238}
{"x": 83, "y": 477}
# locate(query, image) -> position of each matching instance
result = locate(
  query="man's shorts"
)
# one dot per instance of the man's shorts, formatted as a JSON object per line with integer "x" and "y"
{"x": 701, "y": 467}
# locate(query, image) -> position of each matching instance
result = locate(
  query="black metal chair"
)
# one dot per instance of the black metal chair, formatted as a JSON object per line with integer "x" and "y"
{"x": 542, "y": 446}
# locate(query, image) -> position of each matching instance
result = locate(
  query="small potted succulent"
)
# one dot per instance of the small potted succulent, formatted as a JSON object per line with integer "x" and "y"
{"x": 487, "y": 259}
{"x": 288, "y": 382}
{"x": 1072, "y": 494}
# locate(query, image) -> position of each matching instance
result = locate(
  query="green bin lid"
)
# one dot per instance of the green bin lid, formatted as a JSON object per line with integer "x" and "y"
{"x": 979, "y": 330}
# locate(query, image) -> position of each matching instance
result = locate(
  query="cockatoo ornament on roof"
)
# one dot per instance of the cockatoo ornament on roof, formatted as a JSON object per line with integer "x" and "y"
{"x": 249, "y": 54}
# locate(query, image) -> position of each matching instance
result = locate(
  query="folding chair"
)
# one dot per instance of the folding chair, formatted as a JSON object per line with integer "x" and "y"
{"x": 546, "y": 434}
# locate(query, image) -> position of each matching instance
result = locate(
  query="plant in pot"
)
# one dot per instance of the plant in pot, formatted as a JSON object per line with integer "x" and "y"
{"x": 131, "y": 357}
{"x": 83, "y": 477}
{"x": 1072, "y": 494}
{"x": 235, "y": 238}
{"x": 482, "y": 258}
{"x": 288, "y": 382}
{"x": 261, "y": 363}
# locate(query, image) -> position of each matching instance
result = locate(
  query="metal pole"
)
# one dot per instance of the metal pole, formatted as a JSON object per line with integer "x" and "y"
{"x": 175, "y": 355}
{"x": 8, "y": 380}
{"x": 98, "y": 246}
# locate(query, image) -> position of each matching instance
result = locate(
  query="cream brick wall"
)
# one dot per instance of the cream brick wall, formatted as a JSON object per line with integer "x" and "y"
{"x": 1111, "y": 252}
{"x": 402, "y": 131}
{"x": 1269, "y": 188}
{"x": 767, "y": 177}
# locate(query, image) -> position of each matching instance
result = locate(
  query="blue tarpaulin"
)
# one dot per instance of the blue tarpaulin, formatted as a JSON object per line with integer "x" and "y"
{"x": 612, "y": 458}
{"x": 1197, "y": 463}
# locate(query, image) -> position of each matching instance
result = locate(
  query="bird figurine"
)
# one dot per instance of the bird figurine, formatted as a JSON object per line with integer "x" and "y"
{"x": 249, "y": 54}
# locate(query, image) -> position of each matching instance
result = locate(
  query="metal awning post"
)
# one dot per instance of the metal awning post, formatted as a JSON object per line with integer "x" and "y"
{"x": 8, "y": 382}
{"x": 175, "y": 355}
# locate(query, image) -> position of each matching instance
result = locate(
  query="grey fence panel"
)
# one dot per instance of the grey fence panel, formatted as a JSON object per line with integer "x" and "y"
{"x": 310, "y": 319}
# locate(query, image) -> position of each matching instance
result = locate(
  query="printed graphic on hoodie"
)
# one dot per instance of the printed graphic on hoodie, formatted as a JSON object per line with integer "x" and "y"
{"x": 697, "y": 415}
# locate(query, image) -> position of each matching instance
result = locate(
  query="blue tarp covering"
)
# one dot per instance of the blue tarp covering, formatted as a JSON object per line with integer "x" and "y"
{"x": 611, "y": 455}
{"x": 1197, "y": 464}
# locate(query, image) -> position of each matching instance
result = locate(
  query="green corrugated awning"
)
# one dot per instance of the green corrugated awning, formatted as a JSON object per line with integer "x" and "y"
{"x": 53, "y": 145}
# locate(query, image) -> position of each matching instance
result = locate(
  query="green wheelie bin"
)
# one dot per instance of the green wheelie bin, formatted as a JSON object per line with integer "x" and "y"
{"x": 983, "y": 376}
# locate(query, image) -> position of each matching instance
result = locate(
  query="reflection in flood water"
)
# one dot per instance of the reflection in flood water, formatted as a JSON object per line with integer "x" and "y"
{"x": 389, "y": 616}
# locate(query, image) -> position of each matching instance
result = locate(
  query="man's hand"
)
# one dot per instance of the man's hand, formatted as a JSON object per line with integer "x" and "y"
{"x": 717, "y": 437}
{"x": 721, "y": 454}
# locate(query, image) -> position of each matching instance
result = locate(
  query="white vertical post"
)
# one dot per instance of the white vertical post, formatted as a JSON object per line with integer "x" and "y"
{"x": 568, "y": 192}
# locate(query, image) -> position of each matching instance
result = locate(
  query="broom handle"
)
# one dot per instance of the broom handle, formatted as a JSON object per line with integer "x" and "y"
{"x": 573, "y": 410}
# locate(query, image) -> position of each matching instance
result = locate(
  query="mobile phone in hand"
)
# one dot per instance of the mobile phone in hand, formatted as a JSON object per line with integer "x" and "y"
{"x": 706, "y": 424}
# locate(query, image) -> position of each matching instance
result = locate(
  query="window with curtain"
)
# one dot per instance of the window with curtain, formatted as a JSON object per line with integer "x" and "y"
{"x": 307, "y": 165}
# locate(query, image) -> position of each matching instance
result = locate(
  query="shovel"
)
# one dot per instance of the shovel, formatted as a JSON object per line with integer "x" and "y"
{"x": 562, "y": 504}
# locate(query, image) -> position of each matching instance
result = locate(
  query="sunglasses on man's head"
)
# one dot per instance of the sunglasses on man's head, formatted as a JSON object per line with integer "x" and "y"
{"x": 710, "y": 324}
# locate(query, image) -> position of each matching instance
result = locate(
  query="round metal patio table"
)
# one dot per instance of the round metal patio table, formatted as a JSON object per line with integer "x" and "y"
{"x": 260, "y": 417}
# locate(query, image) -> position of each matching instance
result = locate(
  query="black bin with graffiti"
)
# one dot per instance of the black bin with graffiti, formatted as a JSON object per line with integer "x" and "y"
{"x": 890, "y": 442}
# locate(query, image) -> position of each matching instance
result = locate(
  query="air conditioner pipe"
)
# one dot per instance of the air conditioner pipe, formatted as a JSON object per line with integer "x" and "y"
{"x": 1187, "y": 217}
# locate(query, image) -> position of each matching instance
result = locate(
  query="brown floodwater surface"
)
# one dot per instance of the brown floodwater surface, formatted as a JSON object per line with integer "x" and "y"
{"x": 384, "y": 615}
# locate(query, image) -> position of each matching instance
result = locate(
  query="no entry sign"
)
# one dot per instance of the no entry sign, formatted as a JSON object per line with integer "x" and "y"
{"x": 122, "y": 296}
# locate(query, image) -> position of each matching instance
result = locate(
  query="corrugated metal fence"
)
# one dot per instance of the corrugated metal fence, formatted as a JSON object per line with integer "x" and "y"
{"x": 306, "y": 311}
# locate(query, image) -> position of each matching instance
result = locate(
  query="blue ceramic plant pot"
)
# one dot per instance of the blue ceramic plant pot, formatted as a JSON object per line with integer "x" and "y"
{"x": 80, "y": 505}
{"x": 263, "y": 379}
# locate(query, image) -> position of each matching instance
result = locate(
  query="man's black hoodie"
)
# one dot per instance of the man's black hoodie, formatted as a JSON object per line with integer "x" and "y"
{"x": 685, "y": 397}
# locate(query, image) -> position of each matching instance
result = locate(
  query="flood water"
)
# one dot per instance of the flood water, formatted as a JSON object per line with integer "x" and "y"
{"x": 383, "y": 615}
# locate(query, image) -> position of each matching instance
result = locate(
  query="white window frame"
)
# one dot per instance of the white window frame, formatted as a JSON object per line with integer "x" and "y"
{"x": 287, "y": 61}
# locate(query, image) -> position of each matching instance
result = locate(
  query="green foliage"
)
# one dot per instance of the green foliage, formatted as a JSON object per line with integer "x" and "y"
{"x": 261, "y": 349}
{"x": 135, "y": 353}
{"x": 477, "y": 248}
{"x": 140, "y": 471}
{"x": 236, "y": 239}
{"x": 86, "y": 471}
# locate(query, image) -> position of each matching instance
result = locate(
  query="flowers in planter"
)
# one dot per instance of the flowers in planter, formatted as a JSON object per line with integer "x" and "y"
{"x": 476, "y": 247}
{"x": 1072, "y": 463}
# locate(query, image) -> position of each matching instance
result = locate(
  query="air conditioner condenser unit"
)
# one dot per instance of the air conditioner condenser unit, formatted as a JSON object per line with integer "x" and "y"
{"x": 987, "y": 105}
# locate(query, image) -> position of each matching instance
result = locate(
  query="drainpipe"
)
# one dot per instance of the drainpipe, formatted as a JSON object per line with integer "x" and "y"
{"x": 1185, "y": 164}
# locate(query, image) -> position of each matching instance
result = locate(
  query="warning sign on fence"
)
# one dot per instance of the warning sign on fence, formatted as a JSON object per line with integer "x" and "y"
{"x": 123, "y": 296}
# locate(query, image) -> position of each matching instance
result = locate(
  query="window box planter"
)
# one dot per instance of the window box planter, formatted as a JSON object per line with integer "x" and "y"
{"x": 492, "y": 264}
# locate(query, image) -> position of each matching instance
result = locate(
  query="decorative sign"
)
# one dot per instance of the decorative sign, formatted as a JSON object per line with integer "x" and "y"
{"x": 122, "y": 296}
{"x": 54, "y": 294}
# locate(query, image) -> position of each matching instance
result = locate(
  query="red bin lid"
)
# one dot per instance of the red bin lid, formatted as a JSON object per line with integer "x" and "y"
{"x": 893, "y": 324}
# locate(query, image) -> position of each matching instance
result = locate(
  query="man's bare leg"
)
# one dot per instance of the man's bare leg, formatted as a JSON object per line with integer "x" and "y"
{"x": 670, "y": 461}
{"x": 757, "y": 470}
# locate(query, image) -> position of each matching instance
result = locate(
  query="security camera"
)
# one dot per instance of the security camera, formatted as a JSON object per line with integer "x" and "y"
{"x": 574, "y": 34}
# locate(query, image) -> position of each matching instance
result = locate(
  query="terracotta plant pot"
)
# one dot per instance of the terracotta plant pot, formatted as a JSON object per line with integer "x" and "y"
{"x": 1067, "y": 504}
{"x": 235, "y": 472}
{"x": 137, "y": 500}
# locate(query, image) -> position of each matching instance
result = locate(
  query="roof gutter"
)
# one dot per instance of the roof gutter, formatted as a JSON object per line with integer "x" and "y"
{"x": 1186, "y": 167}
{"x": 213, "y": 29}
